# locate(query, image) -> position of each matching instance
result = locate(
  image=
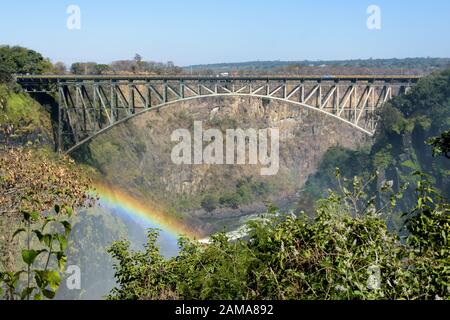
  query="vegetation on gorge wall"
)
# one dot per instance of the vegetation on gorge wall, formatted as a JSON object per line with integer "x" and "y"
{"x": 401, "y": 144}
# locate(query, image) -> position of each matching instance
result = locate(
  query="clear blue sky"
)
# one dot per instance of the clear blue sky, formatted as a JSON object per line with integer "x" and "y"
{"x": 208, "y": 31}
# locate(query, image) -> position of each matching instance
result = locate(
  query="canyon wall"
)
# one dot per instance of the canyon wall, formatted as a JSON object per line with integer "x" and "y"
{"x": 136, "y": 156}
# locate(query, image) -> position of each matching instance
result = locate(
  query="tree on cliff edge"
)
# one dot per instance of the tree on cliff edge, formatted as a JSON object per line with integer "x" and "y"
{"x": 21, "y": 61}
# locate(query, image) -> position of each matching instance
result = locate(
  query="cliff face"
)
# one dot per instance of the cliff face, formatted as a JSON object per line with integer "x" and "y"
{"x": 136, "y": 155}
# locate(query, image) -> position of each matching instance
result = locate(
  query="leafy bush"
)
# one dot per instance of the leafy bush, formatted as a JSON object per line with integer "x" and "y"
{"x": 345, "y": 252}
{"x": 232, "y": 200}
{"x": 22, "y": 119}
{"x": 38, "y": 194}
{"x": 22, "y": 61}
{"x": 210, "y": 202}
{"x": 441, "y": 144}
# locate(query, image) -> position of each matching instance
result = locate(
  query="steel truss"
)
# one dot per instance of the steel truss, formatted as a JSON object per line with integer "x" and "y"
{"x": 91, "y": 105}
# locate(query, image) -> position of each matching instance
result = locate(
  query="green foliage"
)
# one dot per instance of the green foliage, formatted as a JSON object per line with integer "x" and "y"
{"x": 89, "y": 68}
{"x": 102, "y": 68}
{"x": 22, "y": 119}
{"x": 93, "y": 231}
{"x": 409, "y": 124}
{"x": 52, "y": 245}
{"x": 441, "y": 144}
{"x": 19, "y": 108}
{"x": 246, "y": 191}
{"x": 108, "y": 151}
{"x": 345, "y": 252}
{"x": 429, "y": 227}
{"x": 136, "y": 65}
{"x": 393, "y": 119}
{"x": 21, "y": 61}
{"x": 210, "y": 202}
{"x": 380, "y": 65}
{"x": 230, "y": 200}
{"x": 136, "y": 266}
{"x": 383, "y": 158}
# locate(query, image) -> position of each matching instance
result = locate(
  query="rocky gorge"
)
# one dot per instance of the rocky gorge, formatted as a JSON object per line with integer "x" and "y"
{"x": 136, "y": 156}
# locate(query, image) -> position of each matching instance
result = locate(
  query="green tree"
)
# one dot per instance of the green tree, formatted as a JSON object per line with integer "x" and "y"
{"x": 210, "y": 202}
{"x": 21, "y": 61}
{"x": 84, "y": 68}
{"x": 102, "y": 69}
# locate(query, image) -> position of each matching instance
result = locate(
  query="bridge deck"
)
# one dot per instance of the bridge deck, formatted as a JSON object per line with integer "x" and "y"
{"x": 56, "y": 78}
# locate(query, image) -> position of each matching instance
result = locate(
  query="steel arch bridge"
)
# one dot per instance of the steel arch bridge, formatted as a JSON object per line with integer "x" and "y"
{"x": 90, "y": 105}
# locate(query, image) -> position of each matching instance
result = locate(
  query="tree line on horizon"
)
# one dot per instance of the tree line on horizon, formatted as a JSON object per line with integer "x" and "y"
{"x": 20, "y": 60}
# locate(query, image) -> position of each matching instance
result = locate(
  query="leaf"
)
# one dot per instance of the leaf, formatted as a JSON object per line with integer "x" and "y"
{"x": 29, "y": 256}
{"x": 69, "y": 211}
{"x": 46, "y": 278}
{"x": 30, "y": 216}
{"x": 62, "y": 260}
{"x": 48, "y": 293}
{"x": 67, "y": 227}
{"x": 39, "y": 279}
{"x": 54, "y": 279}
{"x": 18, "y": 231}
{"x": 26, "y": 293}
{"x": 62, "y": 242}
{"x": 35, "y": 215}
{"x": 14, "y": 278}
{"x": 337, "y": 173}
{"x": 16, "y": 275}
{"x": 47, "y": 221}
{"x": 393, "y": 201}
{"x": 38, "y": 234}
{"x": 43, "y": 238}
{"x": 37, "y": 297}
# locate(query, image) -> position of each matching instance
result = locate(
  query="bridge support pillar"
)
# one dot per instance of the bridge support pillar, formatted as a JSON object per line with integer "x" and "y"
{"x": 131, "y": 102}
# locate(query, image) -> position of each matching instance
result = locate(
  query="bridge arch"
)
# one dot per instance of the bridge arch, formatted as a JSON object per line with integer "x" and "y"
{"x": 171, "y": 103}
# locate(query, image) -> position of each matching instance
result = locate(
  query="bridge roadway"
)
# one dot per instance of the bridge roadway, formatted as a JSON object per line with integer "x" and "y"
{"x": 22, "y": 79}
{"x": 90, "y": 105}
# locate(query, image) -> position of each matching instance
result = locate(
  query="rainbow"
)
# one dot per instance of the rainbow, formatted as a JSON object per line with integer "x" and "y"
{"x": 152, "y": 214}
